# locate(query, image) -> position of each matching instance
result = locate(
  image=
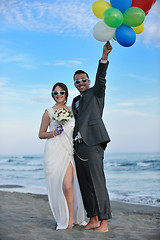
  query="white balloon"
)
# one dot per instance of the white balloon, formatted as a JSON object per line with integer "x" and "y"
{"x": 102, "y": 32}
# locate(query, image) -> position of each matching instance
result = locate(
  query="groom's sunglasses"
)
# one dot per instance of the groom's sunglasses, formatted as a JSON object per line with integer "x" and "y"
{"x": 56, "y": 92}
{"x": 80, "y": 80}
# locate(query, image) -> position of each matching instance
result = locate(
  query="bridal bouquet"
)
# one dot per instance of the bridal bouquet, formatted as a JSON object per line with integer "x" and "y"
{"x": 62, "y": 116}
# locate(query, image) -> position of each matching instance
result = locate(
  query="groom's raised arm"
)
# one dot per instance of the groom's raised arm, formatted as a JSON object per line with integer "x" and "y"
{"x": 100, "y": 83}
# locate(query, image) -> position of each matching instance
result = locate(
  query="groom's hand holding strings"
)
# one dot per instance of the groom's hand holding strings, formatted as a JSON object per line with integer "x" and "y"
{"x": 106, "y": 50}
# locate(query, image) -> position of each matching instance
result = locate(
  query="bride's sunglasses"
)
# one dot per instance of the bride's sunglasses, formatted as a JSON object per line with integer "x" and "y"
{"x": 80, "y": 80}
{"x": 56, "y": 92}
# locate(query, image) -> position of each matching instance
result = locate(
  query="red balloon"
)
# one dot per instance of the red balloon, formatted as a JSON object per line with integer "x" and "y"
{"x": 146, "y": 13}
{"x": 145, "y": 5}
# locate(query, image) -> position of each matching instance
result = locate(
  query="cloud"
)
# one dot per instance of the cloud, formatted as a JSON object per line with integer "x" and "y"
{"x": 40, "y": 99}
{"x": 45, "y": 16}
{"x": 20, "y": 59}
{"x": 71, "y": 17}
{"x": 39, "y": 94}
{"x": 151, "y": 33}
{"x": 141, "y": 107}
{"x": 12, "y": 96}
{"x": 139, "y": 102}
{"x": 31, "y": 94}
{"x": 141, "y": 78}
{"x": 126, "y": 104}
{"x": 3, "y": 81}
{"x": 16, "y": 58}
{"x": 69, "y": 63}
{"x": 42, "y": 95}
{"x": 28, "y": 61}
{"x": 21, "y": 96}
{"x": 127, "y": 112}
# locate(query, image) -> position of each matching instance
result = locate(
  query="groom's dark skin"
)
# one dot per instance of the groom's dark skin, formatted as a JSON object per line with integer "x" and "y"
{"x": 82, "y": 87}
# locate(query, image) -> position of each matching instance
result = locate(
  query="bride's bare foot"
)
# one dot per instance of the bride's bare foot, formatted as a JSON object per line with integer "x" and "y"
{"x": 103, "y": 226}
{"x": 93, "y": 223}
{"x": 70, "y": 226}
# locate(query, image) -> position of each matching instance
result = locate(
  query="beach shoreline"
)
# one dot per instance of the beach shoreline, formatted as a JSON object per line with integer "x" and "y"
{"x": 28, "y": 216}
{"x": 126, "y": 176}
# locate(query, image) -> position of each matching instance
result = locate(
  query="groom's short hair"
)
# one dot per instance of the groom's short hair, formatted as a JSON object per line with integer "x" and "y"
{"x": 79, "y": 72}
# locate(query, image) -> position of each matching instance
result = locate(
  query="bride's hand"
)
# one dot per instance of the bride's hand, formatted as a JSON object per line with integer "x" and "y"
{"x": 58, "y": 131}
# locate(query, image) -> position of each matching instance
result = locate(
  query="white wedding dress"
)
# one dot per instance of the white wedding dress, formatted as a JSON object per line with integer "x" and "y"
{"x": 57, "y": 156}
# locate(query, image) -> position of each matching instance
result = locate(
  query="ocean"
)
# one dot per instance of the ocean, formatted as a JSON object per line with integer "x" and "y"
{"x": 131, "y": 177}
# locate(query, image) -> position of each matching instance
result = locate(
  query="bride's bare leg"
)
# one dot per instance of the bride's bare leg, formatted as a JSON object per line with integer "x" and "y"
{"x": 68, "y": 192}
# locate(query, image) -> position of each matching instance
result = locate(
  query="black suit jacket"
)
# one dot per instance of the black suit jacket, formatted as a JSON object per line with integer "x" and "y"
{"x": 89, "y": 117}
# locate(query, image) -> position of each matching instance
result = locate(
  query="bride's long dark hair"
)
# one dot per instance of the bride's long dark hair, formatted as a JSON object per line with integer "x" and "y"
{"x": 64, "y": 87}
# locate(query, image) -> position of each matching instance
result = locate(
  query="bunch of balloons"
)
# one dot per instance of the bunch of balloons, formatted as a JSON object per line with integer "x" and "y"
{"x": 121, "y": 20}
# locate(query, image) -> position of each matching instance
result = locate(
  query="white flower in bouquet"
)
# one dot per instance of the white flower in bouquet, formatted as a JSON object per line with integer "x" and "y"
{"x": 62, "y": 116}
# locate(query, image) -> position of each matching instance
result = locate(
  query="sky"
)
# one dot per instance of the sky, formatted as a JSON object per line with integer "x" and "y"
{"x": 45, "y": 41}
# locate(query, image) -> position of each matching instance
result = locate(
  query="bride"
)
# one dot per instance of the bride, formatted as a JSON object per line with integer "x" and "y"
{"x": 61, "y": 179}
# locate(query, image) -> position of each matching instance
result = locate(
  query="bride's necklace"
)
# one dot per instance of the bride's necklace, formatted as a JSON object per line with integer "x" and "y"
{"x": 60, "y": 107}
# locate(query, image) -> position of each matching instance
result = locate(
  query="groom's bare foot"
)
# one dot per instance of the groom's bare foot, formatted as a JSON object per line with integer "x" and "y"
{"x": 103, "y": 226}
{"x": 93, "y": 223}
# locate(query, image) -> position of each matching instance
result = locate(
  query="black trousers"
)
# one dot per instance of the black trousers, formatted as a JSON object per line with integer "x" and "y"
{"x": 90, "y": 173}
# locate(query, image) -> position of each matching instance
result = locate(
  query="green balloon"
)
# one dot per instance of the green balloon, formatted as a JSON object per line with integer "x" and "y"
{"x": 113, "y": 17}
{"x": 114, "y": 37}
{"x": 133, "y": 17}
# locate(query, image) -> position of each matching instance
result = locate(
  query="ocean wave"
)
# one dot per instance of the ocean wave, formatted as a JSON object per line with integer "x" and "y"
{"x": 32, "y": 157}
{"x": 136, "y": 199}
{"x": 133, "y": 164}
{"x": 143, "y": 164}
{"x": 130, "y": 178}
{"x": 20, "y": 168}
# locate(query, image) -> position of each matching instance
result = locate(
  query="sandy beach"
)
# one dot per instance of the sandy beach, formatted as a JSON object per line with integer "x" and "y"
{"x": 25, "y": 216}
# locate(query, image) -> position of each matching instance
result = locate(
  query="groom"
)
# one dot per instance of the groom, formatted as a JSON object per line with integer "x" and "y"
{"x": 90, "y": 140}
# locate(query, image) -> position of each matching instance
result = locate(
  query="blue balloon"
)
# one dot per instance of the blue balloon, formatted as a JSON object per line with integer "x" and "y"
{"x": 125, "y": 36}
{"x": 122, "y": 5}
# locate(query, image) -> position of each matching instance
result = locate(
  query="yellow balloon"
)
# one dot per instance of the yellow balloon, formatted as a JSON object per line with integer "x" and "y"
{"x": 139, "y": 28}
{"x": 99, "y": 7}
